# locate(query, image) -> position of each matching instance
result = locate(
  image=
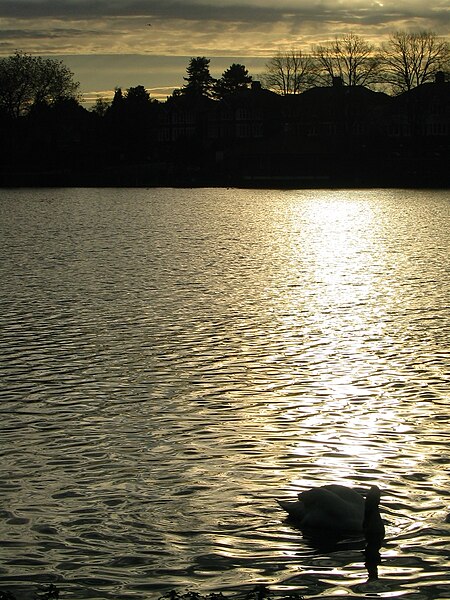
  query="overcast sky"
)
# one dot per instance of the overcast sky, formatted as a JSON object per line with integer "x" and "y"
{"x": 88, "y": 32}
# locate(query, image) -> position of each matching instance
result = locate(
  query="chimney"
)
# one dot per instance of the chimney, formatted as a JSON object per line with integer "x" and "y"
{"x": 256, "y": 86}
{"x": 439, "y": 77}
{"x": 337, "y": 82}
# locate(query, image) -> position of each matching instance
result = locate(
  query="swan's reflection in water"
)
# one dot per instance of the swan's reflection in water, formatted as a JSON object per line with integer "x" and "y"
{"x": 372, "y": 560}
{"x": 326, "y": 543}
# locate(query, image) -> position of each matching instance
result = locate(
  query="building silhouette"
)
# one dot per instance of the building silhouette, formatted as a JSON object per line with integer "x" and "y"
{"x": 334, "y": 135}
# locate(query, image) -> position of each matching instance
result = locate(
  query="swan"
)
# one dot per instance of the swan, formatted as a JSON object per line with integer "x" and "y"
{"x": 339, "y": 509}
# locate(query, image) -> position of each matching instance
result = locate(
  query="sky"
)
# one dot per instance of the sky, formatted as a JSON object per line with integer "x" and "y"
{"x": 111, "y": 43}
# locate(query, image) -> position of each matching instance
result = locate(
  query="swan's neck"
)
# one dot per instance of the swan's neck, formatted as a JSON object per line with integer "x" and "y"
{"x": 372, "y": 524}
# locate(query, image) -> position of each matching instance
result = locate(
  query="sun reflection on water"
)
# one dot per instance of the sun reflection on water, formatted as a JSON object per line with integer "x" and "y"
{"x": 336, "y": 325}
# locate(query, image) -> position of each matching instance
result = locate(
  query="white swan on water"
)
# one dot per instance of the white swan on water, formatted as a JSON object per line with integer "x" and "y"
{"x": 339, "y": 509}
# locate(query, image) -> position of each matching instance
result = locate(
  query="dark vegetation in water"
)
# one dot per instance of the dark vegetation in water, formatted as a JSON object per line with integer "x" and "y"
{"x": 260, "y": 592}
{"x": 50, "y": 592}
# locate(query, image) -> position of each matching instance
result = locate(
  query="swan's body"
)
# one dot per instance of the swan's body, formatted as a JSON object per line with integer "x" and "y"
{"x": 339, "y": 509}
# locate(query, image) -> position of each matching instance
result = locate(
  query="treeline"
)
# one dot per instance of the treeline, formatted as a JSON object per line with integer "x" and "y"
{"x": 313, "y": 115}
{"x": 403, "y": 62}
{"x": 406, "y": 60}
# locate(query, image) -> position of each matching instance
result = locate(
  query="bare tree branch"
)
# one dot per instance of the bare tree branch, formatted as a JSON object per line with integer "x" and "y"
{"x": 411, "y": 59}
{"x": 349, "y": 57}
{"x": 290, "y": 72}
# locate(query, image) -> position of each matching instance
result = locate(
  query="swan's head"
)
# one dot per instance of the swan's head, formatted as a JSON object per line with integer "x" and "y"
{"x": 373, "y": 497}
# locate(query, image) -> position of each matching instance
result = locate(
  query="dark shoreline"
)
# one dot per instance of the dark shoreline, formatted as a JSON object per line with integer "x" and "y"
{"x": 258, "y": 592}
{"x": 139, "y": 179}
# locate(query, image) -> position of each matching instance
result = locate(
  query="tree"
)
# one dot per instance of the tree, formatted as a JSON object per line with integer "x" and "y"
{"x": 138, "y": 107}
{"x": 137, "y": 96}
{"x": 290, "y": 72}
{"x": 350, "y": 58}
{"x": 26, "y": 80}
{"x": 199, "y": 81}
{"x": 116, "y": 108}
{"x": 100, "y": 107}
{"x": 410, "y": 59}
{"x": 130, "y": 123}
{"x": 117, "y": 100}
{"x": 234, "y": 79}
{"x": 134, "y": 105}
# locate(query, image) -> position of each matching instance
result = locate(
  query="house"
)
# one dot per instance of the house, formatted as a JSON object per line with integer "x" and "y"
{"x": 417, "y": 139}
{"x": 322, "y": 134}
{"x": 423, "y": 111}
{"x": 335, "y": 111}
{"x": 183, "y": 117}
{"x": 249, "y": 114}
{"x": 345, "y": 135}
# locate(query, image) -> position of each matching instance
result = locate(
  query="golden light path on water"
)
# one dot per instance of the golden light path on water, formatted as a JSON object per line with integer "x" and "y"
{"x": 176, "y": 360}
{"x": 344, "y": 263}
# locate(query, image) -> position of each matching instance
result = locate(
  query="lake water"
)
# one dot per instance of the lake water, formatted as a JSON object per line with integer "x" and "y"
{"x": 172, "y": 361}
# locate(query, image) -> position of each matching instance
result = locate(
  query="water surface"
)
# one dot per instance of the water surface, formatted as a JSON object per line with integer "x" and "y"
{"x": 174, "y": 360}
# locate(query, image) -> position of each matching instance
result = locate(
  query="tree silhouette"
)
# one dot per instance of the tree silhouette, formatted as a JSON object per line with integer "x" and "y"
{"x": 130, "y": 123}
{"x": 410, "y": 59}
{"x": 199, "y": 81}
{"x": 290, "y": 72}
{"x": 137, "y": 96}
{"x": 351, "y": 58}
{"x": 234, "y": 79}
{"x": 26, "y": 80}
{"x": 117, "y": 103}
{"x": 100, "y": 107}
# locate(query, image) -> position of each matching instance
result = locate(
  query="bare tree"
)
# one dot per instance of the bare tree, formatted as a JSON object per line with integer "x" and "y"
{"x": 349, "y": 57}
{"x": 290, "y": 72}
{"x": 410, "y": 59}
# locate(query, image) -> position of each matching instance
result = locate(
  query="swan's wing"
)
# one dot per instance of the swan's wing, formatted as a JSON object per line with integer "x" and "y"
{"x": 333, "y": 507}
{"x": 345, "y": 493}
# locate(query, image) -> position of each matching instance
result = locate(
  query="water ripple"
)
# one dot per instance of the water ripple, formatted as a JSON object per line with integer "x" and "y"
{"x": 174, "y": 360}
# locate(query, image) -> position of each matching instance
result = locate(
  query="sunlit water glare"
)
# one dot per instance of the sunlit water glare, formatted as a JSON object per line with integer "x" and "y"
{"x": 172, "y": 361}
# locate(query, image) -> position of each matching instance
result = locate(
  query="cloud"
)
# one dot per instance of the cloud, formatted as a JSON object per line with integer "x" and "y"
{"x": 158, "y": 9}
{"x": 212, "y": 28}
{"x": 247, "y": 12}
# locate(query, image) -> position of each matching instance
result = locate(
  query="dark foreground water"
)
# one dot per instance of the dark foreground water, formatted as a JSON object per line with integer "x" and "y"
{"x": 174, "y": 360}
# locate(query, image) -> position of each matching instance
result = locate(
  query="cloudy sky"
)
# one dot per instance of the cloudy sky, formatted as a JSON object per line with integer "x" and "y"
{"x": 110, "y": 43}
